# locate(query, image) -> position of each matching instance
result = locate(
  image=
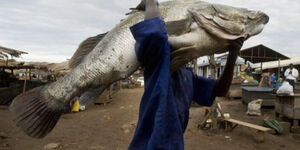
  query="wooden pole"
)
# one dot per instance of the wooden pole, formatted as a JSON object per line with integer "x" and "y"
{"x": 29, "y": 74}
{"x": 195, "y": 67}
{"x": 261, "y": 65}
{"x": 109, "y": 97}
{"x": 25, "y": 82}
{"x": 278, "y": 73}
{"x": 212, "y": 64}
{"x": 6, "y": 63}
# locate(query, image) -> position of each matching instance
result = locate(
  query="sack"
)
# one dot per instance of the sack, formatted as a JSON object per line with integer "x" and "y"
{"x": 254, "y": 107}
{"x": 285, "y": 88}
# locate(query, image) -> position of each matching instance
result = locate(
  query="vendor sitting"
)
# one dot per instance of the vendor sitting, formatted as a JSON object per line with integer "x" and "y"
{"x": 266, "y": 79}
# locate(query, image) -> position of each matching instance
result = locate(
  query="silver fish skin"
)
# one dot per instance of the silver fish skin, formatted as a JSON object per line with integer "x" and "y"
{"x": 195, "y": 29}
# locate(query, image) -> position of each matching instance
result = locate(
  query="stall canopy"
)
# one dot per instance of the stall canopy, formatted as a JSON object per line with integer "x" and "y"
{"x": 276, "y": 64}
{"x": 261, "y": 53}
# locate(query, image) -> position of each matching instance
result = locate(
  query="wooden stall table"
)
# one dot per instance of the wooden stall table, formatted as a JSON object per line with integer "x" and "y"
{"x": 288, "y": 106}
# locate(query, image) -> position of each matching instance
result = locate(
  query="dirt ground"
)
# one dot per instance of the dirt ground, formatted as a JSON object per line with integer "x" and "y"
{"x": 111, "y": 126}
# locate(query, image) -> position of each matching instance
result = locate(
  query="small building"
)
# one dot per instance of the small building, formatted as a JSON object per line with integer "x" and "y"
{"x": 204, "y": 68}
{"x": 261, "y": 53}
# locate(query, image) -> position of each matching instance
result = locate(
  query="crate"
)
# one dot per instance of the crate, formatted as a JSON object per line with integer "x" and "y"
{"x": 252, "y": 93}
{"x": 235, "y": 91}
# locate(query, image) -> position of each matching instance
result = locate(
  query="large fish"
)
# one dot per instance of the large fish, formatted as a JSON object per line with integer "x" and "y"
{"x": 195, "y": 29}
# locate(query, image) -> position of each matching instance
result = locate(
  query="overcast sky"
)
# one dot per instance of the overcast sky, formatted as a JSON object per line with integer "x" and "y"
{"x": 50, "y": 30}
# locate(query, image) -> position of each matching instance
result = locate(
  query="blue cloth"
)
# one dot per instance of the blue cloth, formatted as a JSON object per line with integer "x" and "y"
{"x": 164, "y": 108}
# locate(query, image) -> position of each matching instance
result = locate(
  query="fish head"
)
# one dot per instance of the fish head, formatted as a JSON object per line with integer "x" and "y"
{"x": 198, "y": 28}
{"x": 228, "y": 22}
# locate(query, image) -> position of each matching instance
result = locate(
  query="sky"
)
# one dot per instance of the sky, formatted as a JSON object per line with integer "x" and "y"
{"x": 51, "y": 30}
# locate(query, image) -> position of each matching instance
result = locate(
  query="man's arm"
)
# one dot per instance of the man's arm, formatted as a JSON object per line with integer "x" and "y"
{"x": 150, "y": 35}
{"x": 152, "y": 9}
{"x": 286, "y": 73}
{"x": 223, "y": 83}
{"x": 261, "y": 82}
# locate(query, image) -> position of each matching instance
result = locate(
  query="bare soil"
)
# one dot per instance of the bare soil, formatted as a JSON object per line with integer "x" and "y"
{"x": 111, "y": 126}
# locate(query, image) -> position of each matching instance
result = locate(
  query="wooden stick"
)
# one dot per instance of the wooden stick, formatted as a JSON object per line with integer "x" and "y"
{"x": 25, "y": 82}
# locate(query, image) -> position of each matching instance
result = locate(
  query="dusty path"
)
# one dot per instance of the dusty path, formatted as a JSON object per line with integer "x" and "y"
{"x": 110, "y": 127}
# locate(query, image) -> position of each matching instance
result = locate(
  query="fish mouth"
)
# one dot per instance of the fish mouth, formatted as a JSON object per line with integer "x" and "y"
{"x": 257, "y": 24}
{"x": 227, "y": 29}
{"x": 259, "y": 17}
{"x": 264, "y": 18}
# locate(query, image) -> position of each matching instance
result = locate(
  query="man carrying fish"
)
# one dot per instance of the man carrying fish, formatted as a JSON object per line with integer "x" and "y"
{"x": 164, "y": 108}
{"x": 195, "y": 28}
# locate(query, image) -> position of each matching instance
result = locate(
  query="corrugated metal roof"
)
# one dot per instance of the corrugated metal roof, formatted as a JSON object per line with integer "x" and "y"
{"x": 261, "y": 53}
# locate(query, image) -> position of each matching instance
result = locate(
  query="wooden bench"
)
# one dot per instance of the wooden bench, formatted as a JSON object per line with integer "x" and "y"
{"x": 259, "y": 135}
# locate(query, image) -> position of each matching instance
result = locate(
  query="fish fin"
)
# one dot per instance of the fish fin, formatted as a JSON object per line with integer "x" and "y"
{"x": 182, "y": 56}
{"x": 85, "y": 48}
{"x": 89, "y": 97}
{"x": 133, "y": 10}
{"x": 35, "y": 112}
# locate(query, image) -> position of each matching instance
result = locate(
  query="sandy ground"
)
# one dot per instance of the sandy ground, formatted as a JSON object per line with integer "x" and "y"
{"x": 111, "y": 126}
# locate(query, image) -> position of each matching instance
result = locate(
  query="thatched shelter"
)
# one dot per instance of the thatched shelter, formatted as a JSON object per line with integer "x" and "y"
{"x": 5, "y": 52}
{"x": 56, "y": 69}
{"x": 59, "y": 69}
{"x": 11, "y": 52}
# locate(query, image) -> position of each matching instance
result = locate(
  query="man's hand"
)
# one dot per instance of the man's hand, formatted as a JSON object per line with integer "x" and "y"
{"x": 236, "y": 45}
{"x": 142, "y": 5}
{"x": 152, "y": 9}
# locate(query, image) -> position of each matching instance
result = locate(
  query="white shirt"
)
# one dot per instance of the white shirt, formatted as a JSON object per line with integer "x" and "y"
{"x": 294, "y": 74}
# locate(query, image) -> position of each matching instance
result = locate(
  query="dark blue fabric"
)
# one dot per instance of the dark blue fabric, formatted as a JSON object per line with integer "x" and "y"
{"x": 164, "y": 107}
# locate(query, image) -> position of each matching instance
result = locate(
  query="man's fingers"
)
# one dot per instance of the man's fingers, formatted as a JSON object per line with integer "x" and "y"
{"x": 238, "y": 42}
{"x": 236, "y": 45}
{"x": 141, "y": 6}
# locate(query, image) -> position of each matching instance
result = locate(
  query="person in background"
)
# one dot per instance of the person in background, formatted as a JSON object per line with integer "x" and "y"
{"x": 265, "y": 80}
{"x": 248, "y": 70}
{"x": 273, "y": 79}
{"x": 291, "y": 74}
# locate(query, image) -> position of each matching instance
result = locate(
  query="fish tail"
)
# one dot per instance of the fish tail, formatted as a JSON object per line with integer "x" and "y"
{"x": 36, "y": 112}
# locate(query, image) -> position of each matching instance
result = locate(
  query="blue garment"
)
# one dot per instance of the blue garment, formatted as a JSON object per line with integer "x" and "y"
{"x": 164, "y": 108}
{"x": 273, "y": 80}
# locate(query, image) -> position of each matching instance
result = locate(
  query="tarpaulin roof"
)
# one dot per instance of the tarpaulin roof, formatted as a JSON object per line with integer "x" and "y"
{"x": 276, "y": 64}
